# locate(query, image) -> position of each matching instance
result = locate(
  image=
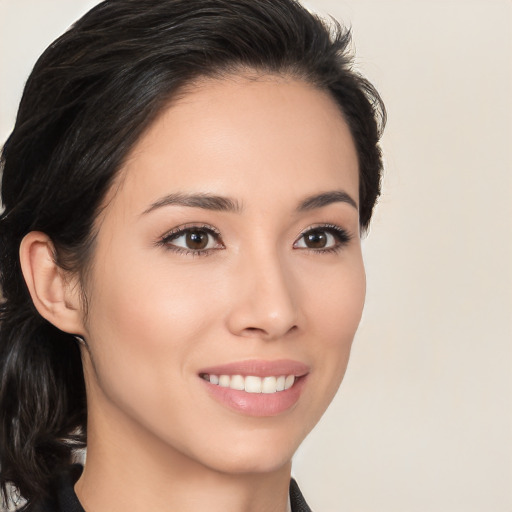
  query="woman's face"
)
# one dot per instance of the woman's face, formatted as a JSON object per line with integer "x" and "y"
{"x": 228, "y": 256}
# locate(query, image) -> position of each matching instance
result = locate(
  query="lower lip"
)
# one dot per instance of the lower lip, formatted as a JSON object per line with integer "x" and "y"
{"x": 257, "y": 404}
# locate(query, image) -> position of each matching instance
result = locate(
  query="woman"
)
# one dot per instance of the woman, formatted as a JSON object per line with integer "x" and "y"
{"x": 184, "y": 193}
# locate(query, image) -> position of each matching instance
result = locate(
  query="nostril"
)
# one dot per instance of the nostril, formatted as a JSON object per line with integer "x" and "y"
{"x": 254, "y": 330}
{"x": 260, "y": 332}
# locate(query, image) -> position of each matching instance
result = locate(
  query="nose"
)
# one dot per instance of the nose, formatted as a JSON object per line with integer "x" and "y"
{"x": 263, "y": 301}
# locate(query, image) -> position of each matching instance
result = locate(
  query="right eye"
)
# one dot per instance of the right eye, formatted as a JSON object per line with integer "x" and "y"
{"x": 193, "y": 240}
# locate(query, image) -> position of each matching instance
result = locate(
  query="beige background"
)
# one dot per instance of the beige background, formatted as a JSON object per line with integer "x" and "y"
{"x": 423, "y": 422}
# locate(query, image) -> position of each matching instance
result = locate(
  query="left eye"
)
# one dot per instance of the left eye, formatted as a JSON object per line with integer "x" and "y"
{"x": 322, "y": 238}
{"x": 193, "y": 239}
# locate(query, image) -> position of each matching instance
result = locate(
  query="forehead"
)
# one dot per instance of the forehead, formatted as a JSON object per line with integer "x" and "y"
{"x": 243, "y": 136}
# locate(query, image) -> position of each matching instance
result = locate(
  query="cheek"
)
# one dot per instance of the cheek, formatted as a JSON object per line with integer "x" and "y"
{"x": 144, "y": 322}
{"x": 147, "y": 330}
{"x": 335, "y": 310}
{"x": 149, "y": 294}
{"x": 336, "y": 302}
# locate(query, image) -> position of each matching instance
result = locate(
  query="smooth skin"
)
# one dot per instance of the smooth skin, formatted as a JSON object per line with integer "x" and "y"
{"x": 261, "y": 280}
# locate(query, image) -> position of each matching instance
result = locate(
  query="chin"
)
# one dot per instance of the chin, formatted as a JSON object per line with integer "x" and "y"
{"x": 253, "y": 451}
{"x": 245, "y": 463}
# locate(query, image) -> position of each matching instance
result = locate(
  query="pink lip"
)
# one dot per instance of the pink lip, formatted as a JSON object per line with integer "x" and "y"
{"x": 259, "y": 368}
{"x": 258, "y": 404}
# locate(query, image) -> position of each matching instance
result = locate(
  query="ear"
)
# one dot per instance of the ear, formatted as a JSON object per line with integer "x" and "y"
{"x": 55, "y": 295}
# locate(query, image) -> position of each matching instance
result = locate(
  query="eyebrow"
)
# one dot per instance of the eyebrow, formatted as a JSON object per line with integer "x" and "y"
{"x": 226, "y": 204}
{"x": 204, "y": 201}
{"x": 325, "y": 199}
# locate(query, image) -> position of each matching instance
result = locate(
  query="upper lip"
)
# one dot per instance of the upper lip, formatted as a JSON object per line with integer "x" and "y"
{"x": 259, "y": 368}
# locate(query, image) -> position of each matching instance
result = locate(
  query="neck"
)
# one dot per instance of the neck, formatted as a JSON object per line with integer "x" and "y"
{"x": 127, "y": 468}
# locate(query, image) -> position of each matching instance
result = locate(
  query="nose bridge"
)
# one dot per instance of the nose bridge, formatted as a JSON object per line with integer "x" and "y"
{"x": 264, "y": 301}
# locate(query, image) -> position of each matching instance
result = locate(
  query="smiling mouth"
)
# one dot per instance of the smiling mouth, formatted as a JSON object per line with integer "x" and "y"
{"x": 251, "y": 383}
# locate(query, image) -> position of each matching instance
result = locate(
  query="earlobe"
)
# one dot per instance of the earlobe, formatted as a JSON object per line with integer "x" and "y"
{"x": 54, "y": 296}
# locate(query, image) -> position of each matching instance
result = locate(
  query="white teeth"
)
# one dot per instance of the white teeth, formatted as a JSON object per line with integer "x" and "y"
{"x": 224, "y": 381}
{"x": 288, "y": 383}
{"x": 269, "y": 385}
{"x": 252, "y": 384}
{"x": 237, "y": 382}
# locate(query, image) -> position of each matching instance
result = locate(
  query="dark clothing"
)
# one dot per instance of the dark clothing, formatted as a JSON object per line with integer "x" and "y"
{"x": 64, "y": 499}
{"x": 62, "y": 494}
{"x": 296, "y": 499}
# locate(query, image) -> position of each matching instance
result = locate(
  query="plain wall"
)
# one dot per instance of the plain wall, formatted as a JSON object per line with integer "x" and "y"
{"x": 423, "y": 420}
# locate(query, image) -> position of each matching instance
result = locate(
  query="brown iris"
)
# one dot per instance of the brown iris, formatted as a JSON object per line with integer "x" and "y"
{"x": 315, "y": 239}
{"x": 196, "y": 239}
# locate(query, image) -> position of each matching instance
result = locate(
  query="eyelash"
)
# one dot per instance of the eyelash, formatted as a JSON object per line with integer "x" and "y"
{"x": 342, "y": 237}
{"x": 166, "y": 240}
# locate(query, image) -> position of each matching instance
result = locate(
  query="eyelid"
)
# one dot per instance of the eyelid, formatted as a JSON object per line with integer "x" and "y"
{"x": 178, "y": 231}
{"x": 342, "y": 235}
{"x": 183, "y": 228}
